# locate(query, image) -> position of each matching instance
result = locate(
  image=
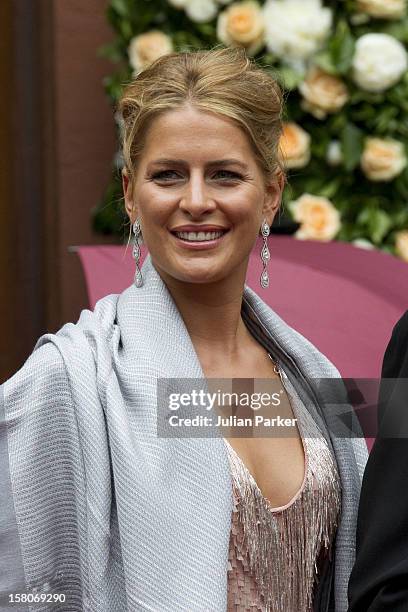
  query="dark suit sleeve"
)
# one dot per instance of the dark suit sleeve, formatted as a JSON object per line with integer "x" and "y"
{"x": 379, "y": 580}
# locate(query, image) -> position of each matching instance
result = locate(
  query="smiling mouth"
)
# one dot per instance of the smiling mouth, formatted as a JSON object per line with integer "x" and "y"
{"x": 199, "y": 236}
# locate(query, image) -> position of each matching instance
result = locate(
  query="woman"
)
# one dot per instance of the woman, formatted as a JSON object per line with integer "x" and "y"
{"x": 105, "y": 510}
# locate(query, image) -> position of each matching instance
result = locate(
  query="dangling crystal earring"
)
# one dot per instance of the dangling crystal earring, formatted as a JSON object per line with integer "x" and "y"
{"x": 138, "y": 280}
{"x": 265, "y": 255}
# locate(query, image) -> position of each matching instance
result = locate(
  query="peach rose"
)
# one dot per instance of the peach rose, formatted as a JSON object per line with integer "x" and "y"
{"x": 294, "y": 146}
{"x": 383, "y": 160}
{"x": 242, "y": 24}
{"x": 401, "y": 244}
{"x": 319, "y": 218}
{"x": 322, "y": 93}
{"x": 383, "y": 9}
{"x": 144, "y": 49}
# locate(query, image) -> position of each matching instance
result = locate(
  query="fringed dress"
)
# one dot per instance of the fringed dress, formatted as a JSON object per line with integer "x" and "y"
{"x": 275, "y": 553}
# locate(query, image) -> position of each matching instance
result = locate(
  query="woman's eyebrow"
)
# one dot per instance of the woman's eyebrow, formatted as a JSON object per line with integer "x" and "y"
{"x": 215, "y": 162}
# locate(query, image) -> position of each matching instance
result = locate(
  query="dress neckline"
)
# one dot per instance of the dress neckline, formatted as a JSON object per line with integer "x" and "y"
{"x": 278, "y": 370}
{"x": 296, "y": 496}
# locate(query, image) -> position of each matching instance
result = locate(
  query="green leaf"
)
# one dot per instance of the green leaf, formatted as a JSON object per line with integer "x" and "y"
{"x": 289, "y": 77}
{"x": 126, "y": 29}
{"x": 388, "y": 249}
{"x": 348, "y": 232}
{"x": 400, "y": 219}
{"x": 267, "y": 59}
{"x": 337, "y": 123}
{"x": 109, "y": 216}
{"x": 379, "y": 224}
{"x": 207, "y": 29}
{"x": 398, "y": 29}
{"x": 287, "y": 196}
{"x": 324, "y": 60}
{"x": 330, "y": 189}
{"x": 401, "y": 185}
{"x": 186, "y": 41}
{"x": 121, "y": 7}
{"x": 112, "y": 51}
{"x": 114, "y": 83}
{"x": 402, "y": 127}
{"x": 363, "y": 216}
{"x": 385, "y": 120}
{"x": 360, "y": 95}
{"x": 341, "y": 47}
{"x": 351, "y": 139}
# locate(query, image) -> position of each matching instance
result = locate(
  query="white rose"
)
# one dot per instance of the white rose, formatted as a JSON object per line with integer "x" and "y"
{"x": 294, "y": 146}
{"x": 296, "y": 29}
{"x": 362, "y": 243}
{"x": 242, "y": 24}
{"x": 334, "y": 154}
{"x": 401, "y": 244}
{"x": 322, "y": 93}
{"x": 383, "y": 160}
{"x": 179, "y": 4}
{"x": 383, "y": 9}
{"x": 379, "y": 62}
{"x": 144, "y": 49}
{"x": 319, "y": 218}
{"x": 359, "y": 18}
{"x": 201, "y": 11}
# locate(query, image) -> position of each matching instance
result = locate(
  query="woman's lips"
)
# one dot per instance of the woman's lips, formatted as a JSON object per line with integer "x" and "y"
{"x": 201, "y": 245}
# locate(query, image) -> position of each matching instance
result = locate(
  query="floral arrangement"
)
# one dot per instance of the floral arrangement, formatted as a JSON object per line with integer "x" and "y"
{"x": 344, "y": 67}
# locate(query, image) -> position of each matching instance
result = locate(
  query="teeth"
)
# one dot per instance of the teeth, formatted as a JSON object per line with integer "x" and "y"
{"x": 198, "y": 236}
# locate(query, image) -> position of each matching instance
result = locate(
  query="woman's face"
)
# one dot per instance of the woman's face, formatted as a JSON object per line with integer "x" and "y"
{"x": 198, "y": 174}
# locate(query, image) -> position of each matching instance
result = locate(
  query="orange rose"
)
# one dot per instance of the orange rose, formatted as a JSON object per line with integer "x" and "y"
{"x": 146, "y": 48}
{"x": 322, "y": 93}
{"x": 319, "y": 218}
{"x": 383, "y": 9}
{"x": 294, "y": 146}
{"x": 401, "y": 244}
{"x": 383, "y": 160}
{"x": 242, "y": 24}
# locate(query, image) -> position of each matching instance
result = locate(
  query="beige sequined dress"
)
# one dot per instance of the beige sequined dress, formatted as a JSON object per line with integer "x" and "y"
{"x": 274, "y": 554}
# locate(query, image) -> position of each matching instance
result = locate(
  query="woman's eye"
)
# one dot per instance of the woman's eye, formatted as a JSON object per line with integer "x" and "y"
{"x": 163, "y": 174}
{"x": 229, "y": 174}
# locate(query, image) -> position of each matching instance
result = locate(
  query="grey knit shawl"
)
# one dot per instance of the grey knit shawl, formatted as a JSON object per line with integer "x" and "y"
{"x": 93, "y": 503}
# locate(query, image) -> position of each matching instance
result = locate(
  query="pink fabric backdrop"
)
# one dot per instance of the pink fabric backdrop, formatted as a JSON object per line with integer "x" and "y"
{"x": 344, "y": 299}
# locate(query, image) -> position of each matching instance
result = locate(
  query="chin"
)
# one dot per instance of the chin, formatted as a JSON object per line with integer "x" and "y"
{"x": 199, "y": 279}
{"x": 199, "y": 276}
{"x": 190, "y": 270}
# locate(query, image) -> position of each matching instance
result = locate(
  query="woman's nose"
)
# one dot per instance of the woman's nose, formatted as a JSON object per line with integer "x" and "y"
{"x": 197, "y": 199}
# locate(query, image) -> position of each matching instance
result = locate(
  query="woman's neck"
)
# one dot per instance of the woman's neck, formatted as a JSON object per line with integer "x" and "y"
{"x": 212, "y": 315}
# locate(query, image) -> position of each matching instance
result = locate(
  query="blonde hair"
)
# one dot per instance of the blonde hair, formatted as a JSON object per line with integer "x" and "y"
{"x": 220, "y": 80}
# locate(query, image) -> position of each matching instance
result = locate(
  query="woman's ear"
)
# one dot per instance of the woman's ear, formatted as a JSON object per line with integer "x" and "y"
{"x": 273, "y": 197}
{"x": 128, "y": 196}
